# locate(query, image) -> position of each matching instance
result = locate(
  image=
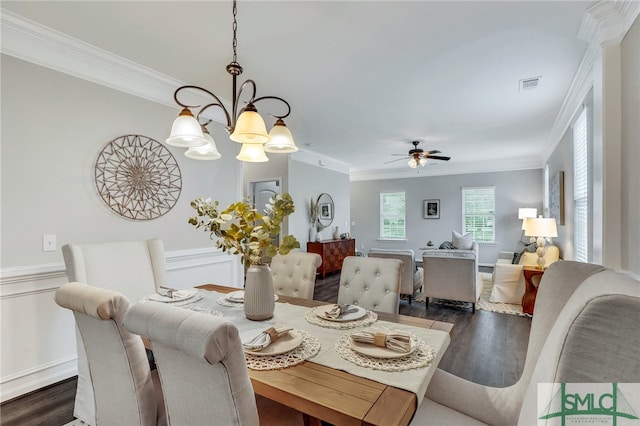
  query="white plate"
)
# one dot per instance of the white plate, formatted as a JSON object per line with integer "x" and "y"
{"x": 238, "y": 297}
{"x": 378, "y": 352}
{"x": 179, "y": 296}
{"x": 284, "y": 344}
{"x": 352, "y": 316}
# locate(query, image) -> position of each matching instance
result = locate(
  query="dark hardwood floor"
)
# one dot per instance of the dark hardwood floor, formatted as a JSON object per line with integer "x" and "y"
{"x": 486, "y": 348}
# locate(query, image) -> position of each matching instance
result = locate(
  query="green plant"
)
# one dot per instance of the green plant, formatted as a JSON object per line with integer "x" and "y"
{"x": 242, "y": 230}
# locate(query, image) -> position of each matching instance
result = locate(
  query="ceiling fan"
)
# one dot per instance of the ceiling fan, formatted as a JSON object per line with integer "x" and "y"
{"x": 418, "y": 156}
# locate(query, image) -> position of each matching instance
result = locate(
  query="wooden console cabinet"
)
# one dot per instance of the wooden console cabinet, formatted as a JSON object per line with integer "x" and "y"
{"x": 332, "y": 252}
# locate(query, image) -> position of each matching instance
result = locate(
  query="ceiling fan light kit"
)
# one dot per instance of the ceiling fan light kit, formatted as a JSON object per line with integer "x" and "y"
{"x": 417, "y": 156}
{"x": 244, "y": 125}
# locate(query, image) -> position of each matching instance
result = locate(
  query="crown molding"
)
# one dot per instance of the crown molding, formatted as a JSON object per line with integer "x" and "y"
{"x": 604, "y": 23}
{"x": 33, "y": 42}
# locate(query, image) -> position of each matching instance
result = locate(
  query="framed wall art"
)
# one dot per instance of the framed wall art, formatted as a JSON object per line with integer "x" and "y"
{"x": 556, "y": 198}
{"x": 432, "y": 209}
{"x": 326, "y": 211}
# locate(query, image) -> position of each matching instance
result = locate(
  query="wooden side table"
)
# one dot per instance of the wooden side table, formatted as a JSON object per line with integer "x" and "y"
{"x": 531, "y": 290}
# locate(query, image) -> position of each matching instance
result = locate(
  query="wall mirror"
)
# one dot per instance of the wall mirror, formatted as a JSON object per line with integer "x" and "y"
{"x": 325, "y": 210}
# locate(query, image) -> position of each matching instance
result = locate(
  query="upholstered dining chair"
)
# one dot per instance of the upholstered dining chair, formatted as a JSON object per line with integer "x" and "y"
{"x": 123, "y": 385}
{"x": 133, "y": 268}
{"x": 202, "y": 368}
{"x": 584, "y": 331}
{"x": 412, "y": 276}
{"x": 373, "y": 283}
{"x": 294, "y": 274}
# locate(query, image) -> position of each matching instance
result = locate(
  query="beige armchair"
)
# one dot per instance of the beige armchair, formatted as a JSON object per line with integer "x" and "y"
{"x": 123, "y": 388}
{"x": 452, "y": 275}
{"x": 508, "y": 279}
{"x": 584, "y": 331}
{"x": 370, "y": 282}
{"x": 294, "y": 274}
{"x": 411, "y": 278}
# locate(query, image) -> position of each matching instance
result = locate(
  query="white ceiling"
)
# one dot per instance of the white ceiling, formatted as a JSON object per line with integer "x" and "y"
{"x": 364, "y": 78}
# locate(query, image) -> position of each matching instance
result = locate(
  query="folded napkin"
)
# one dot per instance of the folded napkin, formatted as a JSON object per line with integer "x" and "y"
{"x": 265, "y": 338}
{"x": 397, "y": 341}
{"x": 337, "y": 310}
{"x": 236, "y": 296}
{"x": 171, "y": 293}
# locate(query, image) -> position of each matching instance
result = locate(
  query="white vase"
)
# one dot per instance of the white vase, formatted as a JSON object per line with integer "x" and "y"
{"x": 336, "y": 233}
{"x": 258, "y": 293}
{"x": 312, "y": 233}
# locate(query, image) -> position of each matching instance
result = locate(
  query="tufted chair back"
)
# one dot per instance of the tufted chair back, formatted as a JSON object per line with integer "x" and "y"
{"x": 411, "y": 279}
{"x": 294, "y": 274}
{"x": 201, "y": 365}
{"x": 370, "y": 282}
{"x": 123, "y": 388}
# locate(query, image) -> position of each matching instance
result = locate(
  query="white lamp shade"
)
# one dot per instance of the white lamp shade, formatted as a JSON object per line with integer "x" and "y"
{"x": 209, "y": 151}
{"x": 526, "y": 212}
{"x": 423, "y": 161}
{"x": 281, "y": 140}
{"x": 540, "y": 227}
{"x": 252, "y": 153}
{"x": 413, "y": 163}
{"x": 250, "y": 128}
{"x": 186, "y": 131}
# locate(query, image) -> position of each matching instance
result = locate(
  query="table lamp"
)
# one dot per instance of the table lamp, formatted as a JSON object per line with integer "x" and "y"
{"x": 524, "y": 213}
{"x": 541, "y": 228}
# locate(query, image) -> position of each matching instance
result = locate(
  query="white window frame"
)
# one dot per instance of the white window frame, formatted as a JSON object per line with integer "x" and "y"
{"x": 491, "y": 213}
{"x": 384, "y": 216}
{"x": 582, "y": 169}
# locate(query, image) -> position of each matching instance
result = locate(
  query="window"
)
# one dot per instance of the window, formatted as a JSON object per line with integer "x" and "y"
{"x": 478, "y": 213}
{"x": 392, "y": 215}
{"x": 581, "y": 171}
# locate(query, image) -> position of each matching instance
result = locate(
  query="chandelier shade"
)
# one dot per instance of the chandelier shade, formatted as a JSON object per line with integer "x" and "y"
{"x": 250, "y": 127}
{"x": 209, "y": 151}
{"x": 186, "y": 132}
{"x": 252, "y": 153}
{"x": 243, "y": 124}
{"x": 280, "y": 139}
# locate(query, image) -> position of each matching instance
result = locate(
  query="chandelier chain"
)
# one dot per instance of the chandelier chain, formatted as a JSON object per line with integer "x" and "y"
{"x": 235, "y": 30}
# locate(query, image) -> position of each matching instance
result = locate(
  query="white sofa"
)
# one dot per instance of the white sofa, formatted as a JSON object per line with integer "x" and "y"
{"x": 452, "y": 275}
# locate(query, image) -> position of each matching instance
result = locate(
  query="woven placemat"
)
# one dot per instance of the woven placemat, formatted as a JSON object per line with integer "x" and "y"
{"x": 421, "y": 357}
{"x": 368, "y": 319}
{"x": 309, "y": 347}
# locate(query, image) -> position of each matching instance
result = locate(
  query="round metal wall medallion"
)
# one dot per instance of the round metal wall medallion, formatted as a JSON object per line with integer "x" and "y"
{"x": 137, "y": 177}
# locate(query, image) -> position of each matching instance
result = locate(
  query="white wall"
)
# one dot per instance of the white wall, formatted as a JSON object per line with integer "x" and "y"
{"x": 53, "y": 127}
{"x": 630, "y": 218}
{"x": 513, "y": 190}
{"x": 306, "y": 181}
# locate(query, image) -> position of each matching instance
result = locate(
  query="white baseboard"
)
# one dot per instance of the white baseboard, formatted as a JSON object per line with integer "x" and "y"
{"x": 44, "y": 375}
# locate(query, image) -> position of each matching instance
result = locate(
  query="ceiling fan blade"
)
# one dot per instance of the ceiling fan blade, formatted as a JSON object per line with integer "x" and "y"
{"x": 398, "y": 159}
{"x": 404, "y": 155}
{"x": 433, "y": 151}
{"x": 438, "y": 157}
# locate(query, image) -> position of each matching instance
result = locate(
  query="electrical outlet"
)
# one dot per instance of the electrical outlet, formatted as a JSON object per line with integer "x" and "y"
{"x": 49, "y": 243}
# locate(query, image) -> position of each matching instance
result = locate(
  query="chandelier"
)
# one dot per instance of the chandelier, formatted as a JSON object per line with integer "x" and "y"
{"x": 244, "y": 125}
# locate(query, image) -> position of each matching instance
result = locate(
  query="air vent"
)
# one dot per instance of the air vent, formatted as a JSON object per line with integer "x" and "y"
{"x": 530, "y": 83}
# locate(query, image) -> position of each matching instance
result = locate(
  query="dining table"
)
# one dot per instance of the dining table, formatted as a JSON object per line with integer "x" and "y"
{"x": 325, "y": 387}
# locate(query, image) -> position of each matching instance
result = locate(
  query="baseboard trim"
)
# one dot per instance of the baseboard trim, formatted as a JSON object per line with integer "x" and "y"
{"x": 26, "y": 381}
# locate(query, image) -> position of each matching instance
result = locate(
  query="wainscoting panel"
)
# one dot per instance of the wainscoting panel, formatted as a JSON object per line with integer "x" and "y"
{"x": 38, "y": 345}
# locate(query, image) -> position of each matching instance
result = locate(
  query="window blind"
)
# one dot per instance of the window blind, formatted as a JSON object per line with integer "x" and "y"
{"x": 392, "y": 215}
{"x": 478, "y": 213}
{"x": 581, "y": 174}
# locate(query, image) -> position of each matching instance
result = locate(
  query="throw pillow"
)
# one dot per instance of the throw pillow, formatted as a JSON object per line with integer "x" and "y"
{"x": 462, "y": 242}
{"x": 447, "y": 245}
